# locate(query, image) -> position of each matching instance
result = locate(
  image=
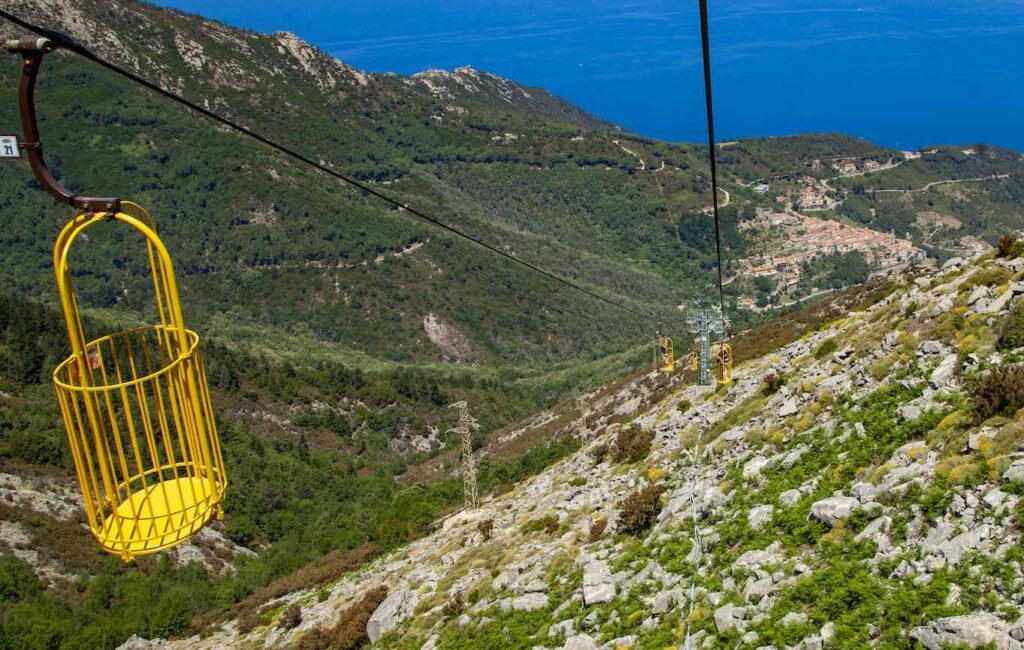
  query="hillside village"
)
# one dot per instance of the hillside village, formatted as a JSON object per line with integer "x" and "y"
{"x": 807, "y": 238}
{"x": 804, "y": 221}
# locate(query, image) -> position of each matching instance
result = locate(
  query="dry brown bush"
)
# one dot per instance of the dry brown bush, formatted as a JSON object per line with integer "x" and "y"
{"x": 633, "y": 444}
{"x": 1000, "y": 391}
{"x": 247, "y": 622}
{"x": 325, "y": 569}
{"x": 291, "y": 617}
{"x": 454, "y": 606}
{"x": 350, "y": 631}
{"x": 597, "y": 529}
{"x": 503, "y": 488}
{"x": 772, "y": 382}
{"x": 1008, "y": 247}
{"x": 640, "y": 509}
{"x": 486, "y": 528}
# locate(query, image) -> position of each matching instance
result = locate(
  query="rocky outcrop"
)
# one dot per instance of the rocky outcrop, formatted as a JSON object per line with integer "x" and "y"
{"x": 395, "y": 609}
{"x": 730, "y": 617}
{"x": 973, "y": 631}
{"x": 754, "y": 479}
{"x": 834, "y": 509}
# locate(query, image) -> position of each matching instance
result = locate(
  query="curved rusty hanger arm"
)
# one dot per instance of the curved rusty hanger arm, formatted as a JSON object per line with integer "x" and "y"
{"x": 32, "y": 49}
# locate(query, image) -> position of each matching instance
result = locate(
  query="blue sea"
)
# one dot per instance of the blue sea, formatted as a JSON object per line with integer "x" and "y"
{"x": 902, "y": 74}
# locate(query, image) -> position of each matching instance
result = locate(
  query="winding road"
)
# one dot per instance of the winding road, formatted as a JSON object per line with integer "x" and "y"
{"x": 947, "y": 182}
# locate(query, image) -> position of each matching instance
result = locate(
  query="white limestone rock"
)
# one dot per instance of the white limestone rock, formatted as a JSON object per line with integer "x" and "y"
{"x": 943, "y": 373}
{"x": 758, "y": 516}
{"x": 971, "y": 630}
{"x": 598, "y": 584}
{"x": 395, "y": 609}
{"x": 833, "y": 509}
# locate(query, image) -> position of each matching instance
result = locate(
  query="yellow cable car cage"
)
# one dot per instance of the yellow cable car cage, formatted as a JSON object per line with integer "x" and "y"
{"x": 135, "y": 404}
{"x": 666, "y": 356}
{"x": 723, "y": 365}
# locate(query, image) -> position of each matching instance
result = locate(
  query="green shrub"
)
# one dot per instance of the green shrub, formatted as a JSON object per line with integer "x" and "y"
{"x": 547, "y": 523}
{"x": 989, "y": 276}
{"x": 640, "y": 510}
{"x": 1012, "y": 335}
{"x": 633, "y": 444}
{"x": 1000, "y": 391}
{"x": 825, "y": 348}
{"x": 17, "y": 580}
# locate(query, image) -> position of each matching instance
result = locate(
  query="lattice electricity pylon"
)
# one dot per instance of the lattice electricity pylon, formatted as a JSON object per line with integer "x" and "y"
{"x": 467, "y": 424}
{"x": 704, "y": 321}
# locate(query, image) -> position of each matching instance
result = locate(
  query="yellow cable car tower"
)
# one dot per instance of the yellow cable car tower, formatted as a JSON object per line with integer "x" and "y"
{"x": 135, "y": 404}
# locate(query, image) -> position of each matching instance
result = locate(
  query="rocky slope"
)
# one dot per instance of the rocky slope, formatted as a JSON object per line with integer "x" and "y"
{"x": 841, "y": 493}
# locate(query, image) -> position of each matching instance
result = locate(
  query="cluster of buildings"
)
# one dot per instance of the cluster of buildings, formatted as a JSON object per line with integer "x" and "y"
{"x": 855, "y": 166}
{"x": 815, "y": 195}
{"x": 807, "y": 238}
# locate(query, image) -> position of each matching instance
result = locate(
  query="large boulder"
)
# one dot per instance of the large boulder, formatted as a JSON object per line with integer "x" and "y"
{"x": 790, "y": 497}
{"x": 758, "y": 516}
{"x": 972, "y": 630}
{"x": 136, "y": 642}
{"x": 754, "y": 466}
{"x": 833, "y": 509}
{"x": 955, "y": 549}
{"x": 730, "y": 617}
{"x": 999, "y": 304}
{"x": 530, "y": 602}
{"x": 598, "y": 584}
{"x": 755, "y": 559}
{"x": 395, "y": 609}
{"x": 580, "y": 642}
{"x": 1015, "y": 474}
{"x": 789, "y": 407}
{"x": 943, "y": 373}
{"x": 979, "y": 293}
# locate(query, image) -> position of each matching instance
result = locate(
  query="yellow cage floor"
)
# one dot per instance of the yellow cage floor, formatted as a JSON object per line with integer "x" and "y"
{"x": 158, "y": 517}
